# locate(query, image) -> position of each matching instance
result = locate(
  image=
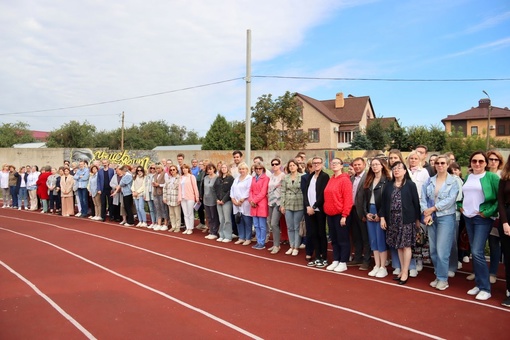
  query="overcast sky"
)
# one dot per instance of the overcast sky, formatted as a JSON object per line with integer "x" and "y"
{"x": 60, "y": 54}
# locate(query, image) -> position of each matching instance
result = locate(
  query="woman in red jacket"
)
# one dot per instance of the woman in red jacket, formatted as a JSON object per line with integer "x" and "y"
{"x": 259, "y": 204}
{"x": 337, "y": 206}
{"x": 42, "y": 187}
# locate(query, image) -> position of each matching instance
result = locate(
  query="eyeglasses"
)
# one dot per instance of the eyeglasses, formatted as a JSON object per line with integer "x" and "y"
{"x": 173, "y": 170}
{"x": 258, "y": 168}
{"x": 275, "y": 164}
{"x": 440, "y": 163}
{"x": 494, "y": 159}
{"x": 139, "y": 169}
{"x": 479, "y": 161}
{"x": 316, "y": 163}
{"x": 151, "y": 168}
{"x": 335, "y": 163}
{"x": 400, "y": 168}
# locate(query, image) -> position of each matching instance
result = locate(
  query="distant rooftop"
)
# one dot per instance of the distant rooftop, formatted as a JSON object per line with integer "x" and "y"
{"x": 178, "y": 147}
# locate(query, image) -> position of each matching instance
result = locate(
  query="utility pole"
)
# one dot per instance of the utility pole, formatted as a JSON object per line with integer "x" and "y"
{"x": 247, "y": 142}
{"x": 488, "y": 121}
{"x": 122, "y": 133}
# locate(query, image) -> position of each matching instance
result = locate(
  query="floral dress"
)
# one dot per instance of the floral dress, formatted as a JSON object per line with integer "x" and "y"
{"x": 399, "y": 235}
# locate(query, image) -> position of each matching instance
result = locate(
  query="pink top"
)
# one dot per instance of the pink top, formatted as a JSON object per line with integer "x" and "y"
{"x": 189, "y": 189}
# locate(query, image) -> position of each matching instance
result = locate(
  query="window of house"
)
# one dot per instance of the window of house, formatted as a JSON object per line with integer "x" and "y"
{"x": 501, "y": 130}
{"x": 345, "y": 137}
{"x": 313, "y": 136}
{"x": 474, "y": 130}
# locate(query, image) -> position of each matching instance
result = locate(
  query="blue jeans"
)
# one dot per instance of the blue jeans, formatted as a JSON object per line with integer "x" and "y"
{"x": 454, "y": 252}
{"x": 22, "y": 197}
{"x": 225, "y": 215}
{"x": 150, "y": 203}
{"x": 376, "y": 235}
{"x": 441, "y": 234}
{"x": 260, "y": 224}
{"x": 140, "y": 208}
{"x": 293, "y": 218}
{"x": 478, "y": 229}
{"x": 244, "y": 228}
{"x": 14, "y": 196}
{"x": 84, "y": 203}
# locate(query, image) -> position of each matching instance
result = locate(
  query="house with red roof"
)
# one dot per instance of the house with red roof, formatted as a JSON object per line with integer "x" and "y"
{"x": 331, "y": 124}
{"x": 478, "y": 120}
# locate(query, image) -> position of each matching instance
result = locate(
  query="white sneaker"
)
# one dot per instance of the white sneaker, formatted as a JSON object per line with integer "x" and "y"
{"x": 19, "y": 208}
{"x": 396, "y": 271}
{"x": 143, "y": 225}
{"x": 483, "y": 295}
{"x": 139, "y": 223}
{"x": 78, "y": 215}
{"x": 342, "y": 267}
{"x": 382, "y": 272}
{"x": 459, "y": 265}
{"x": 434, "y": 283}
{"x": 128, "y": 225}
{"x": 451, "y": 274}
{"x": 442, "y": 285}
{"x": 219, "y": 239}
{"x": 373, "y": 271}
{"x": 151, "y": 226}
{"x": 156, "y": 227}
{"x": 226, "y": 240}
{"x": 164, "y": 228}
{"x": 465, "y": 259}
{"x": 473, "y": 291}
{"x": 419, "y": 265}
{"x": 333, "y": 265}
{"x": 413, "y": 273}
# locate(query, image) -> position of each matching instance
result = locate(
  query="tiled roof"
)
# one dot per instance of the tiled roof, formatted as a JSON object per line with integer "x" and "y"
{"x": 40, "y": 135}
{"x": 352, "y": 112}
{"x": 479, "y": 113}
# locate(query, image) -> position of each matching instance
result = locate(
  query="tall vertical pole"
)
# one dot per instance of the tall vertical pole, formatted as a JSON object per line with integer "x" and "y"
{"x": 122, "y": 133}
{"x": 488, "y": 121}
{"x": 247, "y": 144}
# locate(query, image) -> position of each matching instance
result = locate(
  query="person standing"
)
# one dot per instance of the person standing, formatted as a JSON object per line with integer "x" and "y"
{"x": 209, "y": 201}
{"x": 81, "y": 177}
{"x": 189, "y": 196}
{"x": 479, "y": 205}
{"x": 33, "y": 175}
{"x": 224, "y": 203}
{"x": 239, "y": 193}
{"x": 42, "y": 187}
{"x": 22, "y": 189}
{"x": 172, "y": 198}
{"x": 504, "y": 227}
{"x": 314, "y": 202}
{"x": 400, "y": 217}
{"x": 52, "y": 189}
{"x": 158, "y": 183}
{"x": 94, "y": 194}
{"x": 127, "y": 194}
{"x": 357, "y": 221}
{"x": 138, "y": 189}
{"x": 338, "y": 203}
{"x": 259, "y": 204}
{"x": 148, "y": 194}
{"x": 13, "y": 186}
{"x": 274, "y": 199}
{"x": 67, "y": 193}
{"x": 438, "y": 205}
{"x": 104, "y": 189}
{"x": 291, "y": 206}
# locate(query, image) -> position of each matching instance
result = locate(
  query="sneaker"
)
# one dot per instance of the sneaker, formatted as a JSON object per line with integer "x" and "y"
{"x": 483, "y": 295}
{"x": 373, "y": 271}
{"x": 413, "y": 273}
{"x": 156, "y": 227}
{"x": 246, "y": 243}
{"x": 19, "y": 208}
{"x": 321, "y": 263}
{"x": 342, "y": 267}
{"x": 122, "y": 223}
{"x": 451, "y": 273}
{"x": 506, "y": 302}
{"x": 311, "y": 264}
{"x": 151, "y": 226}
{"x": 143, "y": 225}
{"x": 295, "y": 252}
{"x": 364, "y": 266}
{"x": 128, "y": 225}
{"x": 382, "y": 272}
{"x": 419, "y": 265}
{"x": 288, "y": 252}
{"x": 226, "y": 240}
{"x": 164, "y": 228}
{"x": 459, "y": 265}
{"x": 493, "y": 278}
{"x": 442, "y": 285}
{"x": 238, "y": 241}
{"x": 302, "y": 246}
{"x": 138, "y": 225}
{"x": 465, "y": 259}
{"x": 396, "y": 271}
{"x": 259, "y": 246}
{"x": 333, "y": 265}
{"x": 470, "y": 277}
{"x": 219, "y": 239}
{"x": 78, "y": 215}
{"x": 473, "y": 291}
{"x": 234, "y": 236}
{"x": 434, "y": 283}
{"x": 208, "y": 236}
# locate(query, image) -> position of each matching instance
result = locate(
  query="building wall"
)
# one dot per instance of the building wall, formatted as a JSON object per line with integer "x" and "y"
{"x": 315, "y": 120}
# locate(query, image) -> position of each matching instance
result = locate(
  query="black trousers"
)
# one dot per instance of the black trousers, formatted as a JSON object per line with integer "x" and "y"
{"x": 362, "y": 252}
{"x": 318, "y": 235}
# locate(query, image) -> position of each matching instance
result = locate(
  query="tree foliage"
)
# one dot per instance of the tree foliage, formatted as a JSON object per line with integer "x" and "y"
{"x": 15, "y": 133}
{"x": 378, "y": 135}
{"x": 72, "y": 135}
{"x": 360, "y": 141}
{"x": 219, "y": 136}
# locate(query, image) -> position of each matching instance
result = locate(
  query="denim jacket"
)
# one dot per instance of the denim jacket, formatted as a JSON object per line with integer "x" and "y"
{"x": 446, "y": 197}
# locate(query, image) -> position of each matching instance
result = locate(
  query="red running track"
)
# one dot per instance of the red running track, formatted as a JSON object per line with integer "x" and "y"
{"x": 71, "y": 278}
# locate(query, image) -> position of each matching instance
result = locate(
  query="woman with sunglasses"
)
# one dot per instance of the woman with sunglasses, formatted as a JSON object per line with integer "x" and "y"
{"x": 189, "y": 196}
{"x": 274, "y": 199}
{"x": 479, "y": 205}
{"x": 138, "y": 188}
{"x": 147, "y": 195}
{"x": 438, "y": 205}
{"x": 258, "y": 204}
{"x": 292, "y": 204}
{"x": 172, "y": 198}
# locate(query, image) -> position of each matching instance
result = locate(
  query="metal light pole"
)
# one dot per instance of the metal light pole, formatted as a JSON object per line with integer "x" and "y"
{"x": 488, "y": 121}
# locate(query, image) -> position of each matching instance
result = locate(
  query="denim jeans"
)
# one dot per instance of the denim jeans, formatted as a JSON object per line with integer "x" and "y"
{"x": 244, "y": 227}
{"x": 225, "y": 215}
{"x": 14, "y": 196}
{"x": 22, "y": 197}
{"x": 454, "y": 252}
{"x": 260, "y": 224}
{"x": 140, "y": 208}
{"x": 84, "y": 204}
{"x": 478, "y": 229}
{"x": 441, "y": 234}
{"x": 152, "y": 212}
{"x": 376, "y": 235}
{"x": 293, "y": 218}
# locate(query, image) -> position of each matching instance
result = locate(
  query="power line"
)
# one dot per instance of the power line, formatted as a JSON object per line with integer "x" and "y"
{"x": 121, "y": 100}
{"x": 386, "y": 79}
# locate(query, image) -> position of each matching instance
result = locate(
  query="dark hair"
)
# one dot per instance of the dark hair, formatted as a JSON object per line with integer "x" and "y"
{"x": 358, "y": 159}
{"x": 371, "y": 174}
{"x": 237, "y": 152}
{"x": 180, "y": 155}
{"x": 299, "y": 170}
{"x": 454, "y": 166}
{"x": 138, "y": 168}
{"x": 422, "y": 146}
{"x": 210, "y": 166}
{"x": 480, "y": 152}
{"x": 406, "y": 176}
{"x": 505, "y": 174}
{"x": 94, "y": 166}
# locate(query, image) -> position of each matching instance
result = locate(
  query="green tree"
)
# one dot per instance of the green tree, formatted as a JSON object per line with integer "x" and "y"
{"x": 360, "y": 141}
{"x": 437, "y": 138}
{"x": 72, "y": 135}
{"x": 398, "y": 138}
{"x": 378, "y": 135}
{"x": 277, "y": 123}
{"x": 15, "y": 133}
{"x": 108, "y": 139}
{"x": 239, "y": 135}
{"x": 219, "y": 136}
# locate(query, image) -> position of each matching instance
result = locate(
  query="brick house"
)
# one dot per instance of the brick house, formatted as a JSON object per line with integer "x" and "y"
{"x": 474, "y": 121}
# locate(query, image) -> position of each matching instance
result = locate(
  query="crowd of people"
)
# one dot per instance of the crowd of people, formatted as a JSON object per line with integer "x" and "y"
{"x": 411, "y": 211}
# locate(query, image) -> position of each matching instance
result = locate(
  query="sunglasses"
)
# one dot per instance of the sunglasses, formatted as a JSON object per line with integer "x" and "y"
{"x": 275, "y": 164}
{"x": 494, "y": 159}
{"x": 151, "y": 168}
{"x": 479, "y": 161}
{"x": 139, "y": 169}
{"x": 258, "y": 168}
{"x": 173, "y": 170}
{"x": 440, "y": 163}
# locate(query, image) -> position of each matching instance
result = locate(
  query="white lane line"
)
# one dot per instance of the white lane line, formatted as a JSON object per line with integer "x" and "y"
{"x": 182, "y": 303}
{"x": 349, "y": 310}
{"x": 50, "y": 301}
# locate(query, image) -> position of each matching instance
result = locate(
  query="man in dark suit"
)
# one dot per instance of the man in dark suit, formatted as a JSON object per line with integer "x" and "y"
{"x": 356, "y": 220}
{"x": 104, "y": 176}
